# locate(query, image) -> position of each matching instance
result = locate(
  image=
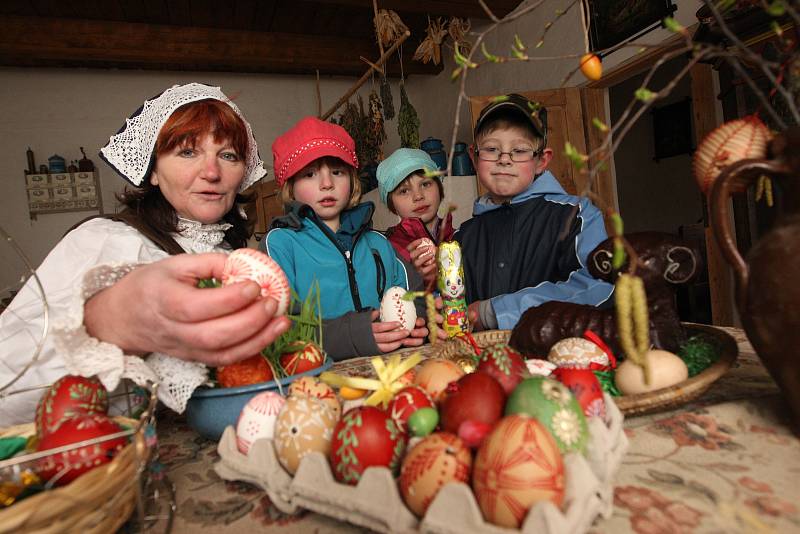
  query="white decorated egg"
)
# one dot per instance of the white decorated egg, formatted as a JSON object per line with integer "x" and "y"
{"x": 578, "y": 353}
{"x": 257, "y": 420}
{"x": 666, "y": 369}
{"x": 249, "y": 264}
{"x": 394, "y": 308}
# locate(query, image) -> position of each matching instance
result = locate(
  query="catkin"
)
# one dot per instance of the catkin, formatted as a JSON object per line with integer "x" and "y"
{"x": 633, "y": 325}
{"x": 433, "y": 329}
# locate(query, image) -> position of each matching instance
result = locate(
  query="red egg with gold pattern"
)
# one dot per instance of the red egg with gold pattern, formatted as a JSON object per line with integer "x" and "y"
{"x": 70, "y": 396}
{"x": 365, "y": 436}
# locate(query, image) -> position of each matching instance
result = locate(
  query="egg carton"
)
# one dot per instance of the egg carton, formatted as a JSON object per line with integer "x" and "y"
{"x": 376, "y": 503}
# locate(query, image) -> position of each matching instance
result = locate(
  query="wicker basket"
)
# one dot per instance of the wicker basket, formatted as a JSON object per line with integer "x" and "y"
{"x": 642, "y": 403}
{"x": 99, "y": 501}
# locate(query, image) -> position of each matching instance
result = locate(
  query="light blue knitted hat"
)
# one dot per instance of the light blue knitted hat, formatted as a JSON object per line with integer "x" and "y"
{"x": 398, "y": 166}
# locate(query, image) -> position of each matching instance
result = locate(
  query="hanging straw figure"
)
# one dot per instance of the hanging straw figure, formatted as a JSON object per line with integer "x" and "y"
{"x": 388, "y": 27}
{"x": 451, "y": 286}
{"x": 457, "y": 29}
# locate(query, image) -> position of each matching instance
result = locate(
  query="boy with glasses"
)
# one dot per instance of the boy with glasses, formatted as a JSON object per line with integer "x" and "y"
{"x": 526, "y": 243}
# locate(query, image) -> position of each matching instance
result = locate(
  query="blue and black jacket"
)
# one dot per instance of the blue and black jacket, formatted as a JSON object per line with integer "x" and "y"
{"x": 531, "y": 250}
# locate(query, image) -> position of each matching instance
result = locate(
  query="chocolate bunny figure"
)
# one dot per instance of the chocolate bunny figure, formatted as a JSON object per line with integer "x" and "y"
{"x": 451, "y": 286}
{"x": 665, "y": 261}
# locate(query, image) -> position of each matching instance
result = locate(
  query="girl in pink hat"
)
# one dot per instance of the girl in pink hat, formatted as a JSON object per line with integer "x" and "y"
{"x": 326, "y": 237}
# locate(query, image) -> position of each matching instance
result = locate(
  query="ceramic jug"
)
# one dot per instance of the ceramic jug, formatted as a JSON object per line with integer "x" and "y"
{"x": 768, "y": 282}
{"x": 462, "y": 164}
{"x": 435, "y": 150}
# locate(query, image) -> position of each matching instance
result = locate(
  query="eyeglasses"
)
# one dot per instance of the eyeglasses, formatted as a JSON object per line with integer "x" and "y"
{"x": 517, "y": 155}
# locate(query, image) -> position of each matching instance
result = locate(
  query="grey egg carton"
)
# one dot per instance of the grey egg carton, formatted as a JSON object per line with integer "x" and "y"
{"x": 376, "y": 503}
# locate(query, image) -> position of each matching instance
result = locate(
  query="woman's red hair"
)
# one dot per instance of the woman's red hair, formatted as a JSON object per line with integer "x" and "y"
{"x": 194, "y": 120}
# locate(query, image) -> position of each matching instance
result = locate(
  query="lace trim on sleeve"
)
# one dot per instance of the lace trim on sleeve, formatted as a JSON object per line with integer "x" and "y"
{"x": 177, "y": 379}
{"x": 85, "y": 355}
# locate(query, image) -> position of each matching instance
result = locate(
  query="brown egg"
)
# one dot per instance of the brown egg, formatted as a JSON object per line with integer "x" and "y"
{"x": 435, "y": 461}
{"x": 305, "y": 424}
{"x": 314, "y": 387}
{"x": 434, "y": 375}
{"x": 578, "y": 353}
{"x": 666, "y": 369}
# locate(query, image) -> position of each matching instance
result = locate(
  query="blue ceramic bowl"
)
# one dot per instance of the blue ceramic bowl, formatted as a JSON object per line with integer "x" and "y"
{"x": 211, "y": 410}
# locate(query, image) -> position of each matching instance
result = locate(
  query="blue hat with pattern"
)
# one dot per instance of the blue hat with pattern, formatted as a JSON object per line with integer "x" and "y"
{"x": 398, "y": 166}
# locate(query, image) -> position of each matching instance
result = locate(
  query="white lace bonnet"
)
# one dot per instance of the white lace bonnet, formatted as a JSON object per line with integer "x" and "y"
{"x": 130, "y": 151}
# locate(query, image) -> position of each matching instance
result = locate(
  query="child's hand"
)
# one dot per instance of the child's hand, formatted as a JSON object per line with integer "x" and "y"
{"x": 474, "y": 316}
{"x": 417, "y": 336}
{"x": 388, "y": 336}
{"x": 424, "y": 258}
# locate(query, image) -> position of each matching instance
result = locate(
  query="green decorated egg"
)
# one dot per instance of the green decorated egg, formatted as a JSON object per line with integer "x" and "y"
{"x": 552, "y": 403}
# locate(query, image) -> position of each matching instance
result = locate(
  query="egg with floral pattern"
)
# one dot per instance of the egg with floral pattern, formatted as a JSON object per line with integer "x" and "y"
{"x": 437, "y": 460}
{"x": 407, "y": 401}
{"x": 578, "y": 353}
{"x": 257, "y": 419}
{"x": 365, "y": 437}
{"x": 587, "y": 389}
{"x": 396, "y": 309}
{"x": 314, "y": 387}
{"x": 552, "y": 403}
{"x": 504, "y": 364}
{"x": 304, "y": 425}
{"x": 517, "y": 466}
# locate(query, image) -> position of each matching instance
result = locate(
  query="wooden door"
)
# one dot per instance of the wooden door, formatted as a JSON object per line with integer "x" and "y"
{"x": 268, "y": 205}
{"x": 569, "y": 114}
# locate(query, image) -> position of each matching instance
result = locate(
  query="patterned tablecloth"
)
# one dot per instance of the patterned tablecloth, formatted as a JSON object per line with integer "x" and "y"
{"x": 725, "y": 463}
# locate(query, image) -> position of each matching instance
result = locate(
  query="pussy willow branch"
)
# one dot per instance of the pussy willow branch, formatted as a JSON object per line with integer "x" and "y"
{"x": 756, "y": 59}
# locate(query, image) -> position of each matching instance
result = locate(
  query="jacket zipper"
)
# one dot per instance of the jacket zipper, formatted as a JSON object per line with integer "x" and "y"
{"x": 351, "y": 272}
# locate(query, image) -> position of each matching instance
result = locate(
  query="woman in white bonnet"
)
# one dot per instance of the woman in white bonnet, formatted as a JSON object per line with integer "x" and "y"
{"x": 122, "y": 296}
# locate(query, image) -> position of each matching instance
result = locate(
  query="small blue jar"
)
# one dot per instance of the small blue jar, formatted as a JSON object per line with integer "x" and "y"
{"x": 57, "y": 164}
{"x": 435, "y": 150}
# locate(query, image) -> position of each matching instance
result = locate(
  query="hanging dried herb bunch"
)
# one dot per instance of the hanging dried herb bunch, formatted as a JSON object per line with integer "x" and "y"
{"x": 387, "y": 99}
{"x": 430, "y": 49}
{"x": 356, "y": 122}
{"x": 388, "y": 27}
{"x": 407, "y": 121}
{"x": 377, "y": 134}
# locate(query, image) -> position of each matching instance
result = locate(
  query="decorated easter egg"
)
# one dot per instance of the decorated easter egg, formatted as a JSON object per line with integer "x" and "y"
{"x": 305, "y": 424}
{"x": 539, "y": 367}
{"x": 585, "y": 387}
{"x": 250, "y": 264}
{"x": 579, "y": 353}
{"x": 252, "y": 370}
{"x": 504, "y": 364}
{"x": 302, "y": 356}
{"x": 666, "y": 369}
{"x": 257, "y": 419}
{"x": 70, "y": 396}
{"x": 473, "y": 397}
{"x": 550, "y": 402}
{"x": 434, "y": 375}
{"x": 365, "y": 437}
{"x": 435, "y": 461}
{"x": 64, "y": 467}
{"x": 314, "y": 387}
{"x": 394, "y": 308}
{"x": 407, "y": 401}
{"x": 730, "y": 142}
{"x": 518, "y": 465}
{"x": 429, "y": 249}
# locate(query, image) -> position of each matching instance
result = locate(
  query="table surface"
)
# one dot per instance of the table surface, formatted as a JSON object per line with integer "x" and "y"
{"x": 724, "y": 463}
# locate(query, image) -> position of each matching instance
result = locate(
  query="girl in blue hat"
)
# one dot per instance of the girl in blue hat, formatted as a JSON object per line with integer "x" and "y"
{"x": 415, "y": 198}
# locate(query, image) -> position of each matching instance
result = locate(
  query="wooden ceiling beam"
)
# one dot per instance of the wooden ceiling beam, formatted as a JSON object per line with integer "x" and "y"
{"x": 54, "y": 42}
{"x": 458, "y": 8}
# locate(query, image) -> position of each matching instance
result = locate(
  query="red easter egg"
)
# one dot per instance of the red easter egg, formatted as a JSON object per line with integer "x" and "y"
{"x": 304, "y": 356}
{"x": 364, "y": 437}
{"x": 64, "y": 467}
{"x": 504, "y": 364}
{"x": 407, "y": 401}
{"x": 70, "y": 396}
{"x": 584, "y": 385}
{"x": 518, "y": 465}
{"x": 474, "y": 397}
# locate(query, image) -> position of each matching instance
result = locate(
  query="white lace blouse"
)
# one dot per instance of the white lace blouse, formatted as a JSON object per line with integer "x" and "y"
{"x": 86, "y": 260}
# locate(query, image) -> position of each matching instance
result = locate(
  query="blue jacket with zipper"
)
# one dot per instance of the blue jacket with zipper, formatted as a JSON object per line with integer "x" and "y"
{"x": 354, "y": 266}
{"x": 531, "y": 250}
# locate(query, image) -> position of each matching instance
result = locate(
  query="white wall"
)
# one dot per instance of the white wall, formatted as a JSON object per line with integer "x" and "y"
{"x": 58, "y": 110}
